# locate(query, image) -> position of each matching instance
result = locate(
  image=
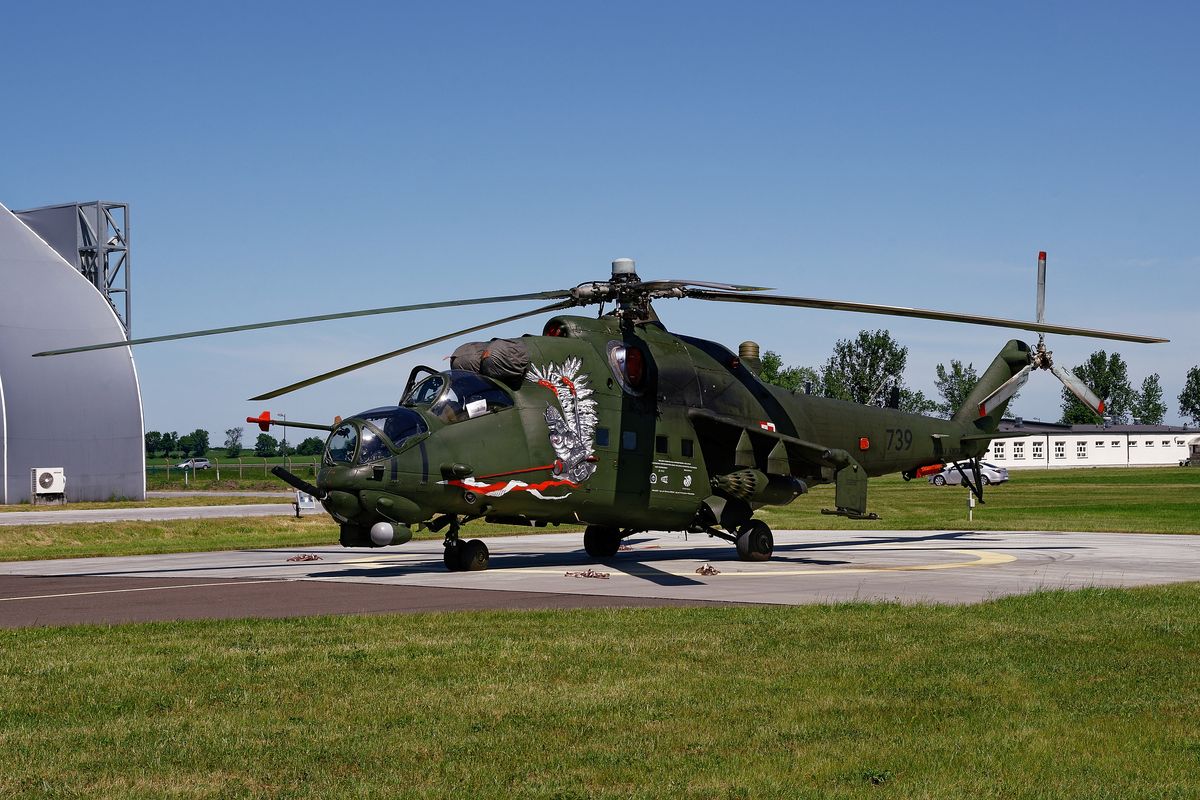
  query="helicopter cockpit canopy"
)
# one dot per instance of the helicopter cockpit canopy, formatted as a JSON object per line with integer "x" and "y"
{"x": 458, "y": 395}
{"x": 388, "y": 425}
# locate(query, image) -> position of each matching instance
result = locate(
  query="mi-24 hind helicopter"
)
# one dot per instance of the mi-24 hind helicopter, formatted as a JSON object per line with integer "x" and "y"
{"x": 619, "y": 424}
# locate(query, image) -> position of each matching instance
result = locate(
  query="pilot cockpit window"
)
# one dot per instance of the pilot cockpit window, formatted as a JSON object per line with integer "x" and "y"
{"x": 424, "y": 392}
{"x": 468, "y": 395}
{"x": 373, "y": 447}
{"x": 342, "y": 442}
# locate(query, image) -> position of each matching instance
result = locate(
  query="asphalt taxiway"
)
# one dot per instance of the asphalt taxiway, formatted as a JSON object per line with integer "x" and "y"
{"x": 552, "y": 571}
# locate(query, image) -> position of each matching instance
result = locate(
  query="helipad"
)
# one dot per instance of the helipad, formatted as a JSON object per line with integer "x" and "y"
{"x": 551, "y": 570}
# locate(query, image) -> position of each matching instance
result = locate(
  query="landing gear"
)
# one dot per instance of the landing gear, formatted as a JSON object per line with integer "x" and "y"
{"x": 601, "y": 542}
{"x": 754, "y": 541}
{"x": 462, "y": 556}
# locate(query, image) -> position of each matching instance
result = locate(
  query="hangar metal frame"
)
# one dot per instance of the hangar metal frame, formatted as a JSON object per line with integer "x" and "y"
{"x": 101, "y": 250}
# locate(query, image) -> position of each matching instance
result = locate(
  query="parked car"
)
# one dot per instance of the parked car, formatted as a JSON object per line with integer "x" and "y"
{"x": 950, "y": 476}
{"x": 195, "y": 463}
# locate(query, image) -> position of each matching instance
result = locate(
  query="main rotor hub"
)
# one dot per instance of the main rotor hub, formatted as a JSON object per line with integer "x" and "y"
{"x": 623, "y": 270}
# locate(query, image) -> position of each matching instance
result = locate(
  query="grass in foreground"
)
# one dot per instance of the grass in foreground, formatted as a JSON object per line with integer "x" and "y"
{"x": 1090, "y": 694}
{"x": 1152, "y": 500}
{"x": 149, "y": 502}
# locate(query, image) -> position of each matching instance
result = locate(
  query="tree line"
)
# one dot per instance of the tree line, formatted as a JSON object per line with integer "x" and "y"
{"x": 196, "y": 445}
{"x": 869, "y": 369}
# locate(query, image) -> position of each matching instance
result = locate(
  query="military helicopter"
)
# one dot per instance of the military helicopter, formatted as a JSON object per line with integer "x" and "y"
{"x": 617, "y": 423}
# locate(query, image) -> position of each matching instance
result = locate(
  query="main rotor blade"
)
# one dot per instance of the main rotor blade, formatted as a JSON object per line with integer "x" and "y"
{"x": 385, "y": 356}
{"x": 1079, "y": 389}
{"x": 920, "y": 313}
{"x": 553, "y": 295}
{"x": 1005, "y": 391}
{"x": 728, "y": 287}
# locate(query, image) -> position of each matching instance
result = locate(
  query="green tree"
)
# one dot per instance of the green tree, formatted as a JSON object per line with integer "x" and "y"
{"x": 187, "y": 444}
{"x": 169, "y": 443}
{"x": 265, "y": 445}
{"x": 312, "y": 446}
{"x": 954, "y": 385}
{"x": 914, "y": 401}
{"x": 1148, "y": 407}
{"x": 233, "y": 442}
{"x": 285, "y": 449}
{"x": 199, "y": 442}
{"x": 790, "y": 378}
{"x": 865, "y": 370}
{"x": 153, "y": 443}
{"x": 1107, "y": 376}
{"x": 1189, "y": 398}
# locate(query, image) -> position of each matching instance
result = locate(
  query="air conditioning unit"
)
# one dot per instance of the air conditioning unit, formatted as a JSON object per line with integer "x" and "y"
{"x": 48, "y": 480}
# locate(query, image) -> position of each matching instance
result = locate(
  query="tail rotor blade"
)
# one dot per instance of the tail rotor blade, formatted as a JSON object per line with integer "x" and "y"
{"x": 1005, "y": 392}
{"x": 1041, "y": 288}
{"x": 1079, "y": 389}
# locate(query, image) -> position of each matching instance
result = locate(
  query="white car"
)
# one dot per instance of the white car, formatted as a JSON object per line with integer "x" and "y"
{"x": 989, "y": 473}
{"x": 195, "y": 463}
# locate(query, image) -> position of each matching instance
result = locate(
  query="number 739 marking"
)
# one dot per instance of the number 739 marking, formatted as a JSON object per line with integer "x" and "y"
{"x": 899, "y": 438}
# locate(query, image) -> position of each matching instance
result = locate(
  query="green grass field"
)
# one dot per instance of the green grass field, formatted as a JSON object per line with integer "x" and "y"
{"x": 1163, "y": 500}
{"x": 1090, "y": 694}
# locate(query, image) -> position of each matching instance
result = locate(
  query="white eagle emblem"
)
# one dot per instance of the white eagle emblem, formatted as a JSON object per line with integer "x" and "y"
{"x": 573, "y": 428}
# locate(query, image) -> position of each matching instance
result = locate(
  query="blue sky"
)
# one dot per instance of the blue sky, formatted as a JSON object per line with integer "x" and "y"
{"x": 284, "y": 159}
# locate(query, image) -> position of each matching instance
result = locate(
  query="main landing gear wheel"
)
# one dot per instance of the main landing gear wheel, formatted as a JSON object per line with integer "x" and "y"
{"x": 601, "y": 542}
{"x": 469, "y": 556}
{"x": 473, "y": 556}
{"x": 754, "y": 541}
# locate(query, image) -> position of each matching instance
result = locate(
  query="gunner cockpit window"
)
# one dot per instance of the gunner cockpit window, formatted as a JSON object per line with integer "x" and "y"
{"x": 342, "y": 443}
{"x": 397, "y": 425}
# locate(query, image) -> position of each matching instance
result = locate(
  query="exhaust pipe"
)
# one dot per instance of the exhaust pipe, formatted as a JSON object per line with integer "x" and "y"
{"x": 297, "y": 482}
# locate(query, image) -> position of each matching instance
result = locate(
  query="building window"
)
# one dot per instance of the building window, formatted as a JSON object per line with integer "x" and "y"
{"x": 1132, "y": 443}
{"x": 1018, "y": 449}
{"x": 1166, "y": 442}
{"x": 1060, "y": 449}
{"x": 1081, "y": 449}
{"x": 998, "y": 451}
{"x": 1038, "y": 451}
{"x": 1149, "y": 443}
{"x": 1100, "y": 443}
{"x": 1116, "y": 442}
{"x": 660, "y": 444}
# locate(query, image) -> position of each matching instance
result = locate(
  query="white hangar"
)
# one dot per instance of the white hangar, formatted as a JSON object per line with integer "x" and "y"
{"x": 80, "y": 412}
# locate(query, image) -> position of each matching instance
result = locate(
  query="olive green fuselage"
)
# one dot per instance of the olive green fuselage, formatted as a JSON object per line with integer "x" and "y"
{"x": 656, "y": 449}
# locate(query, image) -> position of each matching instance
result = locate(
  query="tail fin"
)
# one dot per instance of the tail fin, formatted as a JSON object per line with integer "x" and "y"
{"x": 1012, "y": 359}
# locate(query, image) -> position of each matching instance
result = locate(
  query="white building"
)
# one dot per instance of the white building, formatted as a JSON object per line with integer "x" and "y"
{"x": 1050, "y": 445}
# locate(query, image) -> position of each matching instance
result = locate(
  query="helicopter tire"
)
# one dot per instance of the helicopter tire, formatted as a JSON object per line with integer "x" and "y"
{"x": 939, "y": 480}
{"x": 755, "y": 542}
{"x": 601, "y": 542}
{"x": 473, "y": 556}
{"x": 452, "y": 557}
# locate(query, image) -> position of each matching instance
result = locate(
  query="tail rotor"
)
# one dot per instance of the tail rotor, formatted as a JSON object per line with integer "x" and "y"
{"x": 1042, "y": 358}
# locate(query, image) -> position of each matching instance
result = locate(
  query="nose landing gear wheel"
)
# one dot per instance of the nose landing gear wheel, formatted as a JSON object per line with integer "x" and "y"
{"x": 601, "y": 542}
{"x": 754, "y": 541}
